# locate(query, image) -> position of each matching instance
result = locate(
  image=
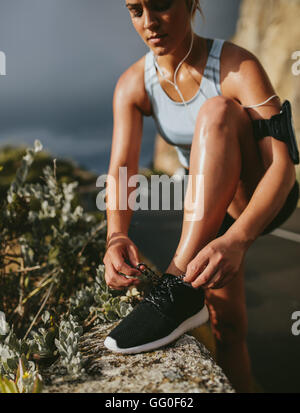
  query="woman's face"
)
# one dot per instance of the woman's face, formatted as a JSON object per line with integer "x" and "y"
{"x": 162, "y": 24}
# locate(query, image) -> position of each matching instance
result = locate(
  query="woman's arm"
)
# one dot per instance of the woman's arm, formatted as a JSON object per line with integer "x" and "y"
{"x": 251, "y": 85}
{"x": 125, "y": 152}
{"x": 126, "y": 143}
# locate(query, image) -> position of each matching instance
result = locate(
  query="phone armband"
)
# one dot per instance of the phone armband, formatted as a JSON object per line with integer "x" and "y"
{"x": 280, "y": 127}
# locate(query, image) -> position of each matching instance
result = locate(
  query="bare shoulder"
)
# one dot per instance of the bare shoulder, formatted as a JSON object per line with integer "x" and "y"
{"x": 242, "y": 74}
{"x": 130, "y": 88}
{"x": 235, "y": 58}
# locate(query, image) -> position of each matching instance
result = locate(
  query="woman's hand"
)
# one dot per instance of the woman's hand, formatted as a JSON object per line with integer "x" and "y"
{"x": 119, "y": 249}
{"x": 216, "y": 264}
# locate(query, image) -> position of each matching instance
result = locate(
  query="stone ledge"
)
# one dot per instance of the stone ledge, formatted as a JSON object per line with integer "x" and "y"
{"x": 184, "y": 366}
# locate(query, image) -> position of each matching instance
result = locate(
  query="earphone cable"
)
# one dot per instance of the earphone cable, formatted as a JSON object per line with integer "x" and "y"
{"x": 174, "y": 84}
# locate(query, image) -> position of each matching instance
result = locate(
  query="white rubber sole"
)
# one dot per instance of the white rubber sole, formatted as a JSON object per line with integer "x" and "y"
{"x": 195, "y": 321}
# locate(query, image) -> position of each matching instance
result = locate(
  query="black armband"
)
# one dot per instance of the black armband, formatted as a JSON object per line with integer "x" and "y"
{"x": 279, "y": 127}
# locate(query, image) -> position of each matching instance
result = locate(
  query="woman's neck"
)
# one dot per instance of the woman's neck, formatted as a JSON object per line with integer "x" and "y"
{"x": 170, "y": 61}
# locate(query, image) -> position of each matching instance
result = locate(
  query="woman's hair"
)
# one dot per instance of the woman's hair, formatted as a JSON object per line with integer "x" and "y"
{"x": 194, "y": 6}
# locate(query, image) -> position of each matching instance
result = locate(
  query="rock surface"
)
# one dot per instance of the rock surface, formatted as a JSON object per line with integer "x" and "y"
{"x": 270, "y": 29}
{"x": 185, "y": 366}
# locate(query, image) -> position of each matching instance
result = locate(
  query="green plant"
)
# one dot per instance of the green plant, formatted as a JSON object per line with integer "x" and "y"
{"x": 52, "y": 285}
{"x": 25, "y": 381}
{"x": 49, "y": 245}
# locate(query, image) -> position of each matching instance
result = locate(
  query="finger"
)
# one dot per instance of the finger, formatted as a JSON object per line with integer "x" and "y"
{"x": 126, "y": 270}
{"x": 141, "y": 267}
{"x": 136, "y": 282}
{"x": 194, "y": 268}
{"x": 109, "y": 277}
{"x": 121, "y": 266}
{"x": 214, "y": 280}
{"x": 133, "y": 256}
{"x": 205, "y": 276}
{"x": 115, "y": 280}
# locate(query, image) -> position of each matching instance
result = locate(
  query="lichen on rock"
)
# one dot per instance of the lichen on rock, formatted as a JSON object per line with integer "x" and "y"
{"x": 184, "y": 366}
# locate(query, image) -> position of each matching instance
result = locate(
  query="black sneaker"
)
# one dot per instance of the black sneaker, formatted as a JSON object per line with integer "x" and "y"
{"x": 171, "y": 308}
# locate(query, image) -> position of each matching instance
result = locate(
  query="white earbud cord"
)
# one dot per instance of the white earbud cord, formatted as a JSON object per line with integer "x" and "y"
{"x": 175, "y": 75}
{"x": 176, "y": 71}
{"x": 174, "y": 84}
{"x": 260, "y": 104}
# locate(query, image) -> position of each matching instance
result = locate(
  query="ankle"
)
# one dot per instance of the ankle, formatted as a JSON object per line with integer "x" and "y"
{"x": 174, "y": 270}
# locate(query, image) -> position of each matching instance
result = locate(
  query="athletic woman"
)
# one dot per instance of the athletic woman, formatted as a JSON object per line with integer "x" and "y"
{"x": 204, "y": 95}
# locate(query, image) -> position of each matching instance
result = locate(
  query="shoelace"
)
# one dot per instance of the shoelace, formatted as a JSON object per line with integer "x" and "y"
{"x": 151, "y": 275}
{"x": 161, "y": 286}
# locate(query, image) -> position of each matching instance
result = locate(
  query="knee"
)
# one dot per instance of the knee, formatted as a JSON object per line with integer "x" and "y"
{"x": 229, "y": 332}
{"x": 220, "y": 112}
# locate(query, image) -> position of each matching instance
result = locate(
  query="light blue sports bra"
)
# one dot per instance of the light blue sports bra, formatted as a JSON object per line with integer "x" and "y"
{"x": 172, "y": 120}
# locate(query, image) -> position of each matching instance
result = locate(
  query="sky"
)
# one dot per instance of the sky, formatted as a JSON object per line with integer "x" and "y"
{"x": 63, "y": 59}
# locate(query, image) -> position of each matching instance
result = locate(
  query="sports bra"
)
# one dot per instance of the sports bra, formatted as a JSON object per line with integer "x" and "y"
{"x": 171, "y": 118}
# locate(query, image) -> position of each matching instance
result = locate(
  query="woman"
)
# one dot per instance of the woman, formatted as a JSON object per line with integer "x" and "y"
{"x": 197, "y": 90}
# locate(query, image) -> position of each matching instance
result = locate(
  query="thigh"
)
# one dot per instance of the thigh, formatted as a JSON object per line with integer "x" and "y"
{"x": 286, "y": 211}
{"x": 225, "y": 110}
{"x": 227, "y": 308}
{"x": 253, "y": 167}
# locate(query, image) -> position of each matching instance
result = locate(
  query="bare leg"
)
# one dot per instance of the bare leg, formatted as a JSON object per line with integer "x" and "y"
{"x": 221, "y": 123}
{"x": 228, "y": 317}
{"x": 231, "y": 168}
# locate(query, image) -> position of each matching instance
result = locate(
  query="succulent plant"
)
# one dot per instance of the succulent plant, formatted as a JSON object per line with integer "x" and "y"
{"x": 17, "y": 373}
{"x": 68, "y": 346}
{"x": 52, "y": 287}
{"x": 25, "y": 381}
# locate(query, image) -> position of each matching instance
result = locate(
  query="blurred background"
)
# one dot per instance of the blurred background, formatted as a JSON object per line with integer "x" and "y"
{"x": 63, "y": 61}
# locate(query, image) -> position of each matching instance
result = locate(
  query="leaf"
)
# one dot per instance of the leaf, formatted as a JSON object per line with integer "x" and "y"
{"x": 20, "y": 374}
{"x": 46, "y": 317}
{"x": 37, "y": 146}
{"x": 49, "y": 339}
{"x": 12, "y": 364}
{"x": 24, "y": 347}
{"x": 53, "y": 254}
{"x": 4, "y": 328}
{"x": 7, "y": 386}
{"x": 37, "y": 385}
{"x": 111, "y": 316}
